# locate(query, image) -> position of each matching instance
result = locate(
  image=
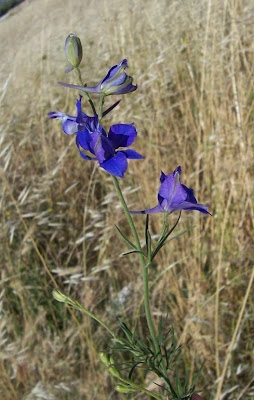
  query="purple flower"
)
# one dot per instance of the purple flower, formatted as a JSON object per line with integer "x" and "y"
{"x": 174, "y": 196}
{"x": 96, "y": 145}
{"x": 115, "y": 82}
{"x": 69, "y": 124}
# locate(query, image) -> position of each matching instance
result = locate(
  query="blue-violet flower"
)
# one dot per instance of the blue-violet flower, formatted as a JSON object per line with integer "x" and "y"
{"x": 115, "y": 82}
{"x": 69, "y": 123}
{"x": 96, "y": 145}
{"x": 174, "y": 196}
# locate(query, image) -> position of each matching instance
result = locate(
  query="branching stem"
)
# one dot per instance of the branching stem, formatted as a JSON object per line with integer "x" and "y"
{"x": 145, "y": 267}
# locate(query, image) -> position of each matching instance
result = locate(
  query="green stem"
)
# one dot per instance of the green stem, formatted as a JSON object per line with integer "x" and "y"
{"x": 63, "y": 298}
{"x": 145, "y": 279}
{"x": 164, "y": 227}
{"x": 77, "y": 70}
{"x": 143, "y": 263}
{"x": 102, "y": 99}
{"x": 90, "y": 314}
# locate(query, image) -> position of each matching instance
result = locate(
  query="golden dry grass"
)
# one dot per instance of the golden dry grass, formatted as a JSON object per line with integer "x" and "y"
{"x": 193, "y": 62}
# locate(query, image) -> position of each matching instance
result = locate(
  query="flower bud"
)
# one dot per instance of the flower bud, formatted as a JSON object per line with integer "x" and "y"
{"x": 125, "y": 389}
{"x": 105, "y": 359}
{"x": 117, "y": 81}
{"x": 113, "y": 371}
{"x": 73, "y": 50}
{"x": 59, "y": 296}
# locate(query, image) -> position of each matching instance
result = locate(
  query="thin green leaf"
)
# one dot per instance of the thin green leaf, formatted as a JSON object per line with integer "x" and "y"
{"x": 148, "y": 238}
{"x": 110, "y": 108}
{"x": 178, "y": 384}
{"x": 180, "y": 234}
{"x": 126, "y": 331}
{"x": 133, "y": 368}
{"x": 147, "y": 223}
{"x": 132, "y": 251}
{"x": 196, "y": 376}
{"x": 186, "y": 381}
{"x": 148, "y": 246}
{"x": 172, "y": 229}
{"x": 125, "y": 238}
{"x": 164, "y": 227}
{"x": 162, "y": 241}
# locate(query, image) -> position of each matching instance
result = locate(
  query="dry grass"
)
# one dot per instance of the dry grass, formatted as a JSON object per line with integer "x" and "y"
{"x": 193, "y": 62}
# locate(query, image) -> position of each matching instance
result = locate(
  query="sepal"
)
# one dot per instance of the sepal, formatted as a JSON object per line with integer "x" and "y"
{"x": 148, "y": 239}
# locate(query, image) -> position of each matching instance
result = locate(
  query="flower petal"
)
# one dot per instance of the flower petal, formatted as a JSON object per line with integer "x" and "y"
{"x": 153, "y": 210}
{"x": 127, "y": 87}
{"x": 69, "y": 127}
{"x": 115, "y": 71}
{"x": 93, "y": 125}
{"x": 122, "y": 135}
{"x": 162, "y": 177}
{"x": 101, "y": 147}
{"x": 190, "y": 195}
{"x": 171, "y": 190}
{"x": 117, "y": 81}
{"x": 80, "y": 115}
{"x": 69, "y": 124}
{"x": 186, "y": 205}
{"x": 84, "y": 138}
{"x": 116, "y": 165}
{"x": 84, "y": 156}
{"x": 132, "y": 154}
{"x": 56, "y": 114}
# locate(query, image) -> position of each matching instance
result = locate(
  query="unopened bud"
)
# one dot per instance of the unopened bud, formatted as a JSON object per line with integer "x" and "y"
{"x": 117, "y": 81}
{"x": 59, "y": 296}
{"x": 113, "y": 371}
{"x": 73, "y": 50}
{"x": 105, "y": 359}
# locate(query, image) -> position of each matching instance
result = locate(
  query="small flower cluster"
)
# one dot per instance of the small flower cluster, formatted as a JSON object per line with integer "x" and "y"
{"x": 95, "y": 144}
{"x": 109, "y": 149}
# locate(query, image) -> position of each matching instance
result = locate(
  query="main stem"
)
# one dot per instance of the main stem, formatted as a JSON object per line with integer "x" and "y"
{"x": 143, "y": 263}
{"x": 145, "y": 281}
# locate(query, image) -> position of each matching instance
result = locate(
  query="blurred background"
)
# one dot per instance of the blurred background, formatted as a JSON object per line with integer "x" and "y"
{"x": 193, "y": 63}
{"x": 6, "y": 5}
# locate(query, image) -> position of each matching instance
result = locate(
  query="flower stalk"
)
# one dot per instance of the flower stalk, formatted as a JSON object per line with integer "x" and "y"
{"x": 87, "y": 95}
{"x": 102, "y": 100}
{"x": 111, "y": 151}
{"x": 143, "y": 263}
{"x": 63, "y": 298}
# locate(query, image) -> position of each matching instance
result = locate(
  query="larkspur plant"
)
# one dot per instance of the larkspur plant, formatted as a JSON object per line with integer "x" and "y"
{"x": 159, "y": 352}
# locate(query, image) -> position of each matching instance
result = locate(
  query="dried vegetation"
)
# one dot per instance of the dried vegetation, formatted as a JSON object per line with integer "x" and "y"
{"x": 193, "y": 62}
